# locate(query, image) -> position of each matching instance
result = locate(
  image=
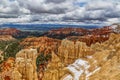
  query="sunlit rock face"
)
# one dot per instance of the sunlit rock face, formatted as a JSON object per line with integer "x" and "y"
{"x": 55, "y": 69}
{"x": 70, "y": 51}
{"x": 6, "y": 38}
{"x": 103, "y": 64}
{"x": 110, "y": 69}
{"x": 25, "y": 65}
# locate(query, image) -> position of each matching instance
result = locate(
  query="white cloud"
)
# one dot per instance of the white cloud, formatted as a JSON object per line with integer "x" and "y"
{"x": 20, "y": 19}
{"x": 91, "y": 11}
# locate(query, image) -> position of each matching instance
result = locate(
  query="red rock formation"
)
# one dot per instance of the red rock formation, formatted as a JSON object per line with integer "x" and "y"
{"x": 9, "y": 31}
{"x": 89, "y": 39}
{"x": 67, "y": 30}
{"x": 42, "y": 44}
{"x": 6, "y": 68}
{"x": 95, "y": 35}
{"x": 85, "y": 33}
{"x": 101, "y": 31}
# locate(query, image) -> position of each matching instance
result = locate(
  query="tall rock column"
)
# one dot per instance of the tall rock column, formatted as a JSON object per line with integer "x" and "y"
{"x": 25, "y": 65}
{"x": 55, "y": 69}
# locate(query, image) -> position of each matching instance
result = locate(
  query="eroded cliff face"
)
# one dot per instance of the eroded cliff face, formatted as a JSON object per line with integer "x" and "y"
{"x": 80, "y": 65}
{"x": 6, "y": 69}
{"x": 55, "y": 69}
{"x": 9, "y": 31}
{"x": 67, "y": 53}
{"x": 42, "y": 44}
{"x": 70, "y": 51}
{"x": 63, "y": 33}
{"x": 89, "y": 39}
{"x": 25, "y": 65}
{"x": 110, "y": 65}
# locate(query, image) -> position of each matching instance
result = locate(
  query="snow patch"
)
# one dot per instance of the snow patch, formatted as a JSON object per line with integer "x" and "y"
{"x": 89, "y": 57}
{"x": 114, "y": 26}
{"x": 78, "y": 68}
{"x": 69, "y": 77}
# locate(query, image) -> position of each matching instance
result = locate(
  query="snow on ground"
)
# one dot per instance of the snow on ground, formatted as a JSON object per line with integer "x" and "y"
{"x": 89, "y": 57}
{"x": 114, "y": 26}
{"x": 78, "y": 68}
{"x": 69, "y": 77}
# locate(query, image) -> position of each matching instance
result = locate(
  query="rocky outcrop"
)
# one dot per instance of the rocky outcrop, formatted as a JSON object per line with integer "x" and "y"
{"x": 110, "y": 66}
{"x": 70, "y": 51}
{"x": 89, "y": 36}
{"x": 25, "y": 65}
{"x": 89, "y": 39}
{"x": 42, "y": 44}
{"x": 6, "y": 38}
{"x": 55, "y": 69}
{"x": 6, "y": 69}
{"x": 67, "y": 53}
{"x": 9, "y": 31}
{"x": 66, "y": 32}
{"x": 19, "y": 33}
{"x": 102, "y": 64}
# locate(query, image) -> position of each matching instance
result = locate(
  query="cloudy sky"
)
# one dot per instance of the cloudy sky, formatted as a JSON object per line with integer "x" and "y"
{"x": 60, "y": 11}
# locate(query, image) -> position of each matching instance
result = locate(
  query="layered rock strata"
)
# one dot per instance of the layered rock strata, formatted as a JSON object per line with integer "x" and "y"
{"x": 42, "y": 44}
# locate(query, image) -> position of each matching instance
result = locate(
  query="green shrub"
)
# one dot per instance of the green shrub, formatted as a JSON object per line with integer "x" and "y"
{"x": 42, "y": 59}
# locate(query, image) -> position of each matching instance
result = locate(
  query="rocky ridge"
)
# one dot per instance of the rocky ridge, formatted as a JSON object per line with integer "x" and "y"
{"x": 42, "y": 44}
{"x": 66, "y": 32}
{"x": 9, "y": 31}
